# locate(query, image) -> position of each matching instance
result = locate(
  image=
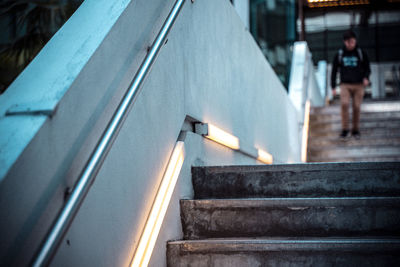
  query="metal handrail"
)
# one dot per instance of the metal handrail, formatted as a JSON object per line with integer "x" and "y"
{"x": 97, "y": 157}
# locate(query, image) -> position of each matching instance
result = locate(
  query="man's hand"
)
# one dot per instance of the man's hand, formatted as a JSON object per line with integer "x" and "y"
{"x": 365, "y": 82}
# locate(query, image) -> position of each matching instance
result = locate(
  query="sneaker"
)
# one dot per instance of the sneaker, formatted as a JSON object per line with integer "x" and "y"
{"x": 356, "y": 134}
{"x": 344, "y": 134}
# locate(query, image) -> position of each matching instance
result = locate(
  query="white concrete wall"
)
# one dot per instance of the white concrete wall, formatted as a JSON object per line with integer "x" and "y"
{"x": 321, "y": 76}
{"x": 243, "y": 9}
{"x": 81, "y": 252}
{"x": 303, "y": 83}
{"x": 210, "y": 69}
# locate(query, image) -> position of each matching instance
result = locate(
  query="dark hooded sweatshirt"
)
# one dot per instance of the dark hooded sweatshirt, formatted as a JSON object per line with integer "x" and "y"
{"x": 353, "y": 69}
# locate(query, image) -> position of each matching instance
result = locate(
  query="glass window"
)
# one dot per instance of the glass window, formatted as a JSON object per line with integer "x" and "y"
{"x": 273, "y": 27}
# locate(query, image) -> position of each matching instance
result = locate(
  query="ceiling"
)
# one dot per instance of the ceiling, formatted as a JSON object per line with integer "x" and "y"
{"x": 317, "y": 7}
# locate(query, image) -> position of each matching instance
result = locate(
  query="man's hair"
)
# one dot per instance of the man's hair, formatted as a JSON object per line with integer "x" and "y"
{"x": 348, "y": 35}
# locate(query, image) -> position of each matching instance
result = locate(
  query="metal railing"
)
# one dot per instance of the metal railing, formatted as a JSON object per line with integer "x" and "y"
{"x": 86, "y": 179}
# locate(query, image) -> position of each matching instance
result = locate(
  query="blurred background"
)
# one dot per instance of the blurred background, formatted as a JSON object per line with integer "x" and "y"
{"x": 27, "y": 25}
{"x": 277, "y": 24}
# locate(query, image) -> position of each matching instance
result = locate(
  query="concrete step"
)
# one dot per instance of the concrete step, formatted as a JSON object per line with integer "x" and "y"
{"x": 321, "y": 119}
{"x": 297, "y": 180}
{"x": 325, "y": 143}
{"x": 359, "y": 152}
{"x": 284, "y": 252}
{"x": 370, "y": 133}
{"x": 380, "y": 134}
{"x": 390, "y": 125}
{"x": 389, "y": 106}
{"x": 350, "y": 160}
{"x": 355, "y": 216}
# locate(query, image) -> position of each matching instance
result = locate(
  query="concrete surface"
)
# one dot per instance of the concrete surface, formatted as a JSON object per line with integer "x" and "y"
{"x": 210, "y": 69}
{"x": 314, "y": 230}
{"x": 242, "y": 7}
{"x": 379, "y": 128}
{"x": 297, "y": 180}
{"x": 292, "y": 217}
{"x": 335, "y": 117}
{"x": 283, "y": 252}
{"x": 303, "y": 83}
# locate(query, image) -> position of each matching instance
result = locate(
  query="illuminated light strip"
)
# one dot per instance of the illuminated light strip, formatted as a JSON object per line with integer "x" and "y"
{"x": 305, "y": 131}
{"x": 314, "y": 4}
{"x": 220, "y": 136}
{"x": 335, "y": 1}
{"x": 264, "y": 157}
{"x": 159, "y": 208}
{"x": 321, "y": 1}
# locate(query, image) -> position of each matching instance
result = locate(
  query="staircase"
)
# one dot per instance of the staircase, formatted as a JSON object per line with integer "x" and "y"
{"x": 380, "y": 134}
{"x": 322, "y": 214}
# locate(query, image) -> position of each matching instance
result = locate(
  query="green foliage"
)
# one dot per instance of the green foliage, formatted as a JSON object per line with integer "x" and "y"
{"x": 35, "y": 22}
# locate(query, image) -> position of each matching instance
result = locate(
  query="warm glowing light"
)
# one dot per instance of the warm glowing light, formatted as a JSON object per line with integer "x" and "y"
{"x": 264, "y": 156}
{"x": 222, "y": 137}
{"x": 313, "y": 1}
{"x": 333, "y": 3}
{"x": 305, "y": 131}
{"x": 159, "y": 208}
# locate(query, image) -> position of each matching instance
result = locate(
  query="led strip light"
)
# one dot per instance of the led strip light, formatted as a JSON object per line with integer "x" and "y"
{"x": 304, "y": 142}
{"x": 153, "y": 225}
{"x": 222, "y": 137}
{"x": 333, "y": 3}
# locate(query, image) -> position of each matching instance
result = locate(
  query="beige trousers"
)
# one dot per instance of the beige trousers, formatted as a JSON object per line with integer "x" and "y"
{"x": 356, "y": 92}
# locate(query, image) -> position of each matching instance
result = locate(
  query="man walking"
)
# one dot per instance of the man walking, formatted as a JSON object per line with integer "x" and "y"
{"x": 354, "y": 77}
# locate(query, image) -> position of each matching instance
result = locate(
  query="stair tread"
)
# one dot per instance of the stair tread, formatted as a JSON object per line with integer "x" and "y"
{"x": 327, "y": 216}
{"x": 285, "y": 252}
{"x": 380, "y": 134}
{"x": 286, "y": 244}
{"x": 323, "y": 143}
{"x": 300, "y": 167}
{"x": 364, "y": 114}
{"x": 301, "y": 180}
{"x": 372, "y": 133}
{"x": 288, "y": 201}
{"x": 355, "y": 152}
{"x": 364, "y": 126}
{"x": 322, "y": 120}
{"x": 315, "y": 214}
{"x": 292, "y": 240}
{"x": 343, "y": 145}
{"x": 317, "y": 113}
{"x": 390, "y": 106}
{"x": 344, "y": 160}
